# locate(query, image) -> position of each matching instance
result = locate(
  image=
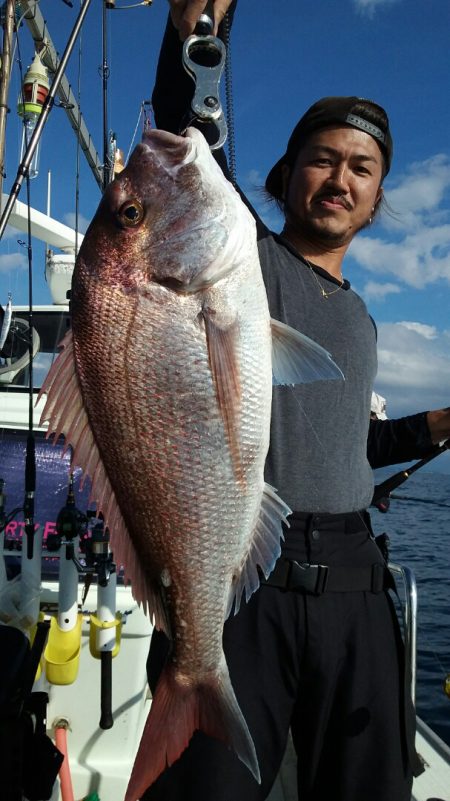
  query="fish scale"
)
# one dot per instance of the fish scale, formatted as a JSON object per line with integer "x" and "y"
{"x": 193, "y": 492}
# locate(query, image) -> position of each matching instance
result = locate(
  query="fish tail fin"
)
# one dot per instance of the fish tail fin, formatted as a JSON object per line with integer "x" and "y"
{"x": 177, "y": 711}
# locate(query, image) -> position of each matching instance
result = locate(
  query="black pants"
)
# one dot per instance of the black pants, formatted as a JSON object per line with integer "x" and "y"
{"x": 329, "y": 667}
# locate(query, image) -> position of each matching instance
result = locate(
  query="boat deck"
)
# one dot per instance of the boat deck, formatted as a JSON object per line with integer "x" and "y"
{"x": 101, "y": 760}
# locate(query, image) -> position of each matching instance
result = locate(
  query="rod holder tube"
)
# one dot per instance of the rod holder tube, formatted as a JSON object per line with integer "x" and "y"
{"x": 68, "y": 591}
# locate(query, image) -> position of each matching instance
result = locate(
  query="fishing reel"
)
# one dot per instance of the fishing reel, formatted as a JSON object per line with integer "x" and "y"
{"x": 89, "y": 531}
{"x": 94, "y": 544}
{"x": 70, "y": 524}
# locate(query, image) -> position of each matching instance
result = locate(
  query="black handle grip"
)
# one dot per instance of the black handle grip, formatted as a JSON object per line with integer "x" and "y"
{"x": 106, "y": 719}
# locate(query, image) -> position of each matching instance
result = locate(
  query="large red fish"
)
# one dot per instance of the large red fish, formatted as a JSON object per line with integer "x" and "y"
{"x": 163, "y": 389}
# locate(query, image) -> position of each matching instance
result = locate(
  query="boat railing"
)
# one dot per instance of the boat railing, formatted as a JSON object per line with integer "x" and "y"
{"x": 409, "y": 609}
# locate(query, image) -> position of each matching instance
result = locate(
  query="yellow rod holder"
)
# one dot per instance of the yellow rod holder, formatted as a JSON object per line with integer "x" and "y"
{"x": 96, "y": 626}
{"x": 62, "y": 653}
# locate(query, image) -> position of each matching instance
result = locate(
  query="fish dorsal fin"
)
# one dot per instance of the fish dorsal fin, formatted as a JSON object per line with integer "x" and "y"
{"x": 265, "y": 547}
{"x": 66, "y": 415}
{"x": 297, "y": 359}
{"x": 225, "y": 372}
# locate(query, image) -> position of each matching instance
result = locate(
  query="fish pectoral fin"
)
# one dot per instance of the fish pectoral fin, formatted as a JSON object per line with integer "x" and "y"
{"x": 222, "y": 352}
{"x": 66, "y": 415}
{"x": 297, "y": 359}
{"x": 265, "y": 547}
{"x": 177, "y": 710}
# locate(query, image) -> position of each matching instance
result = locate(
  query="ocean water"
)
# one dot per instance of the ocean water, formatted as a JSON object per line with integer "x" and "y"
{"x": 418, "y": 524}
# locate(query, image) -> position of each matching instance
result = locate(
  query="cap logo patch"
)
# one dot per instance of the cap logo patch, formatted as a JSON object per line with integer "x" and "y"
{"x": 371, "y": 129}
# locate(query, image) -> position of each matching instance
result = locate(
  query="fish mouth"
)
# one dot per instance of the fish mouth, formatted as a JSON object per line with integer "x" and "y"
{"x": 174, "y": 150}
{"x": 156, "y": 137}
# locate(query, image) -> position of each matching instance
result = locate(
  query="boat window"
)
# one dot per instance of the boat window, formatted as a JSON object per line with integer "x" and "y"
{"x": 47, "y": 330}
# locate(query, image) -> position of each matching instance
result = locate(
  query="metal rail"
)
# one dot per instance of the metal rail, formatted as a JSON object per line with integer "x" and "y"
{"x": 410, "y": 619}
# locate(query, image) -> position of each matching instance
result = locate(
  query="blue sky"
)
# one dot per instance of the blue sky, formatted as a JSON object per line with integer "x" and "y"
{"x": 285, "y": 55}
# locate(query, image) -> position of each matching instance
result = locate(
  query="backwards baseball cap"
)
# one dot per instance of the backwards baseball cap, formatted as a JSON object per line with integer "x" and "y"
{"x": 355, "y": 111}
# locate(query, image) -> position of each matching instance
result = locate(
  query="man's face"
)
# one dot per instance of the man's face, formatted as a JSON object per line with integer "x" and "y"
{"x": 334, "y": 185}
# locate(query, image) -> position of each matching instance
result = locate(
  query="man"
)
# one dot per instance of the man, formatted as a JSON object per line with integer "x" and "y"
{"x": 317, "y": 649}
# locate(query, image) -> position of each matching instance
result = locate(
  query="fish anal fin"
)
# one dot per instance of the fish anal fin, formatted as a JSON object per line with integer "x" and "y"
{"x": 178, "y": 709}
{"x": 72, "y": 422}
{"x": 224, "y": 365}
{"x": 265, "y": 547}
{"x": 297, "y": 359}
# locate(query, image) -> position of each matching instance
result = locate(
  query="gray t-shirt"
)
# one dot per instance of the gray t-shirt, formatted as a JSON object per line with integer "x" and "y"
{"x": 317, "y": 458}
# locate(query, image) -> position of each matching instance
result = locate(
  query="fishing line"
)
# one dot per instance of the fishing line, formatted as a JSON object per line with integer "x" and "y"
{"x": 432, "y": 652}
{"x": 141, "y": 112}
{"x": 105, "y": 74}
{"x": 111, "y": 6}
{"x": 419, "y": 500}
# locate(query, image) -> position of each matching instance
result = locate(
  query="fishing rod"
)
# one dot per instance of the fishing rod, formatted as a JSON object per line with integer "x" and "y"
{"x": 86, "y": 533}
{"x": 383, "y": 491}
{"x": 107, "y": 164}
{"x": 24, "y": 166}
{"x": 106, "y": 625}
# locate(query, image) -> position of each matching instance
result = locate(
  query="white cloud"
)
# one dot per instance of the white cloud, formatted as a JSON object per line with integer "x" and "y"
{"x": 377, "y": 292}
{"x": 414, "y": 244}
{"x": 83, "y": 223}
{"x": 426, "y": 331}
{"x": 11, "y": 233}
{"x": 12, "y": 261}
{"x": 369, "y": 6}
{"x": 413, "y": 367}
{"x": 418, "y": 194}
{"x": 254, "y": 178}
{"x": 417, "y": 259}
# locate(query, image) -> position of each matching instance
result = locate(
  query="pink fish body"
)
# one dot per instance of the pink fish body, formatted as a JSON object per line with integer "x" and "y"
{"x": 163, "y": 389}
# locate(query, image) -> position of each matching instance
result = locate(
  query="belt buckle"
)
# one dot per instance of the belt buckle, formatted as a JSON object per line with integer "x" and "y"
{"x": 311, "y": 578}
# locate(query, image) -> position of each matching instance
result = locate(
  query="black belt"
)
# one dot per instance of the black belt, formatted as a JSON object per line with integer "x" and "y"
{"x": 317, "y": 579}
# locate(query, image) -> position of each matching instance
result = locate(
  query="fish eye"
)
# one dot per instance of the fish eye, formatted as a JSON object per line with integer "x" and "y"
{"x": 131, "y": 213}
